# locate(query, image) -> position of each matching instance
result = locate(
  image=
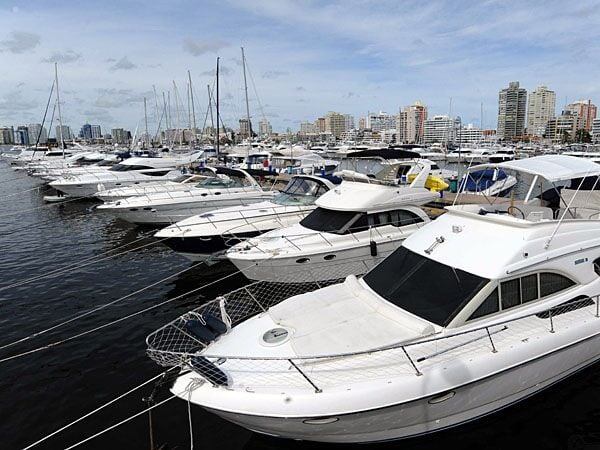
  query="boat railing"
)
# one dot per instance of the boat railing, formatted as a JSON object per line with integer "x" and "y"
{"x": 174, "y": 345}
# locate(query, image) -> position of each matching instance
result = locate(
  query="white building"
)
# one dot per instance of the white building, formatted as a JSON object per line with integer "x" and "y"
{"x": 96, "y": 132}
{"x": 348, "y": 122}
{"x": 440, "y": 129}
{"x": 307, "y": 128}
{"x": 381, "y": 121}
{"x": 35, "y": 130}
{"x": 596, "y": 131}
{"x": 410, "y": 122}
{"x": 66, "y": 133}
{"x": 540, "y": 109}
{"x": 469, "y": 134}
{"x": 264, "y": 128}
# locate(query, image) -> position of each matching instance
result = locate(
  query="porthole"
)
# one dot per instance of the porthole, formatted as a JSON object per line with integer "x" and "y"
{"x": 328, "y": 257}
{"x": 302, "y": 260}
{"x": 217, "y": 193}
{"x": 147, "y": 209}
{"x": 204, "y": 194}
{"x": 133, "y": 209}
{"x": 323, "y": 421}
{"x": 441, "y": 398}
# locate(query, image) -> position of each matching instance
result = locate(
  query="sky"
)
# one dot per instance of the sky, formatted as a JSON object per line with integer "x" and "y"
{"x": 304, "y": 57}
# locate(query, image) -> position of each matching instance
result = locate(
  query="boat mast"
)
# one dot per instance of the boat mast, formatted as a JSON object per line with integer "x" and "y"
{"x": 193, "y": 108}
{"x": 146, "y": 122}
{"x": 246, "y": 91}
{"x": 178, "y": 114}
{"x": 62, "y": 142}
{"x": 218, "y": 115}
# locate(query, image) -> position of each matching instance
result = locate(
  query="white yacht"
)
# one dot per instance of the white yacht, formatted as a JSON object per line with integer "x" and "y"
{"x": 228, "y": 188}
{"x": 482, "y": 308}
{"x": 126, "y": 173}
{"x": 200, "y": 236}
{"x": 354, "y": 227}
{"x": 489, "y": 182}
{"x": 505, "y": 154}
{"x": 184, "y": 182}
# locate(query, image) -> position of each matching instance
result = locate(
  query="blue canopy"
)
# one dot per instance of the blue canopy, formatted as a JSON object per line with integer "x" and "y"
{"x": 480, "y": 180}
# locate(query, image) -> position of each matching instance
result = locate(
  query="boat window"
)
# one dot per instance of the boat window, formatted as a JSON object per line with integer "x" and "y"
{"x": 398, "y": 218}
{"x": 551, "y": 283}
{"x": 529, "y": 288}
{"x": 405, "y": 279}
{"x": 300, "y": 191}
{"x": 581, "y": 301}
{"x": 125, "y": 167}
{"x": 511, "y": 295}
{"x": 489, "y": 306}
{"x": 220, "y": 182}
{"x": 360, "y": 224}
{"x": 159, "y": 173}
{"x": 435, "y": 167}
{"x": 328, "y": 220}
{"x": 597, "y": 266}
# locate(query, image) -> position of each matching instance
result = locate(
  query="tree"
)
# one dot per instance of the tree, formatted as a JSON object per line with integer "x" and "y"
{"x": 565, "y": 137}
{"x": 583, "y": 136}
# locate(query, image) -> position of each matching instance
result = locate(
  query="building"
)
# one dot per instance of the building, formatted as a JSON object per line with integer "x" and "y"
{"x": 37, "y": 133}
{"x": 22, "y": 135}
{"x": 540, "y": 109}
{"x": 320, "y": 125}
{"x": 120, "y": 136}
{"x": 96, "y": 132}
{"x": 85, "y": 132}
{"x": 410, "y": 123}
{"x": 307, "y": 128}
{"x": 512, "y": 106}
{"x": 381, "y": 121}
{"x": 67, "y": 135}
{"x": 586, "y": 112}
{"x": 348, "y": 122}
{"x": 335, "y": 123}
{"x": 264, "y": 128}
{"x": 595, "y": 131}
{"x": 562, "y": 129}
{"x": 362, "y": 123}
{"x": 245, "y": 128}
{"x": 7, "y": 136}
{"x": 469, "y": 134}
{"x": 441, "y": 129}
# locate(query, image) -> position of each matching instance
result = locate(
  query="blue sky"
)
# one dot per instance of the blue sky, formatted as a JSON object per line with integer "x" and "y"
{"x": 305, "y": 57}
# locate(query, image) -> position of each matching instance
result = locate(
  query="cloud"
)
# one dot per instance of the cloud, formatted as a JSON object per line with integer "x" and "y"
{"x": 101, "y": 116}
{"x": 198, "y": 48}
{"x": 63, "y": 57}
{"x": 300, "y": 88}
{"x": 123, "y": 64}
{"x": 350, "y": 95}
{"x": 20, "y": 42}
{"x": 116, "y": 98}
{"x": 109, "y": 60}
{"x": 223, "y": 70}
{"x": 271, "y": 74}
{"x": 15, "y": 101}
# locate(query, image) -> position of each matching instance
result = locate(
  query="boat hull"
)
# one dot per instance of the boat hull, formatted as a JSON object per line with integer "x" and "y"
{"x": 430, "y": 414}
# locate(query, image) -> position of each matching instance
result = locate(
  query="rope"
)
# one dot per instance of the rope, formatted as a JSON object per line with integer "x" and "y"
{"x": 100, "y": 327}
{"x": 95, "y": 309}
{"x": 85, "y": 416}
{"x": 4, "y": 197}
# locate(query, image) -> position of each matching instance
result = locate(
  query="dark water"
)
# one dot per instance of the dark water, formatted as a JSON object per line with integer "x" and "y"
{"x": 45, "y": 390}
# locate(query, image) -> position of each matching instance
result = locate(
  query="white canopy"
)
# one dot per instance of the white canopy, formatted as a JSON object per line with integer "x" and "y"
{"x": 550, "y": 167}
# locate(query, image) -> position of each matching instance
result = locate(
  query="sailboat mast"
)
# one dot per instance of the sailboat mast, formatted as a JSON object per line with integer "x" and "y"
{"x": 62, "y": 141}
{"x": 193, "y": 108}
{"x": 146, "y": 122}
{"x": 246, "y": 91}
{"x": 218, "y": 115}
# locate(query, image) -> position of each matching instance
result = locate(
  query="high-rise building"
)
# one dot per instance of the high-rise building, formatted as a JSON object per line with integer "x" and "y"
{"x": 469, "y": 134}
{"x": 86, "y": 132}
{"x": 37, "y": 133}
{"x": 596, "y": 131}
{"x": 512, "y": 105}
{"x": 7, "y": 136}
{"x": 264, "y": 128}
{"x": 119, "y": 136}
{"x": 307, "y": 128}
{"x": 441, "y": 129}
{"x": 22, "y": 135}
{"x": 320, "y": 125}
{"x": 335, "y": 123}
{"x": 348, "y": 122}
{"x": 410, "y": 123}
{"x": 541, "y": 108}
{"x": 245, "y": 127}
{"x": 586, "y": 112}
{"x": 96, "y": 132}
{"x": 562, "y": 129}
{"x": 362, "y": 123}
{"x": 67, "y": 134}
{"x": 381, "y": 121}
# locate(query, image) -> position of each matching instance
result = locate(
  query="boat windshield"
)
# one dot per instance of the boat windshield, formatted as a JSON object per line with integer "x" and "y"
{"x": 125, "y": 167}
{"x": 300, "y": 191}
{"x": 329, "y": 220}
{"x": 424, "y": 287}
{"x": 220, "y": 182}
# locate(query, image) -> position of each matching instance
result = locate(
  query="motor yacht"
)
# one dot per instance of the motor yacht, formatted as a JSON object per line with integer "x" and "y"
{"x": 480, "y": 309}
{"x": 129, "y": 172}
{"x": 200, "y": 236}
{"x": 353, "y": 228}
{"x": 489, "y": 182}
{"x": 228, "y": 188}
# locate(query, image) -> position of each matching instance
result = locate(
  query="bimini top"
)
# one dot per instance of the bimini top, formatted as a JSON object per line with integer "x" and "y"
{"x": 550, "y": 167}
{"x": 384, "y": 153}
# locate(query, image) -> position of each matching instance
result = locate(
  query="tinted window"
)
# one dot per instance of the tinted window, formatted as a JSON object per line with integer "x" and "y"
{"x": 327, "y": 220}
{"x": 422, "y": 286}
{"x": 511, "y": 295}
{"x": 550, "y": 283}
{"x": 529, "y": 288}
{"x": 407, "y": 217}
{"x": 597, "y": 266}
{"x": 489, "y": 306}
{"x": 360, "y": 224}
{"x": 157, "y": 174}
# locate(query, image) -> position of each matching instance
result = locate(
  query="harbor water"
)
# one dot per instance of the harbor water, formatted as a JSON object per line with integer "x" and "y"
{"x": 75, "y": 259}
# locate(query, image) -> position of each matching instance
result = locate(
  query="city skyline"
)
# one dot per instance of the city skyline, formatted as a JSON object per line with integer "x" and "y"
{"x": 305, "y": 58}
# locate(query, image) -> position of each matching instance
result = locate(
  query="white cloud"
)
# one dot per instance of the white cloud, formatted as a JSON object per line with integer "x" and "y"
{"x": 197, "y": 48}
{"x": 123, "y": 64}
{"x": 20, "y": 42}
{"x": 65, "y": 57}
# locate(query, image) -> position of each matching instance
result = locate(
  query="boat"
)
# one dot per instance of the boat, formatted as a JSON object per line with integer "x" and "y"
{"x": 353, "y": 228}
{"x": 129, "y": 172}
{"x": 200, "y": 236}
{"x": 489, "y": 182}
{"x": 482, "y": 308}
{"x": 228, "y": 188}
{"x": 502, "y": 155}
